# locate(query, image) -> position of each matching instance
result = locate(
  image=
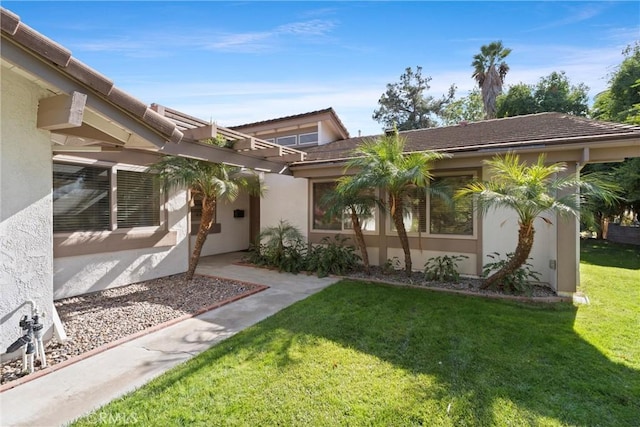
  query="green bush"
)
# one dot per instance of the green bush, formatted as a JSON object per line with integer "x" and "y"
{"x": 332, "y": 256}
{"x": 391, "y": 265}
{"x": 443, "y": 268}
{"x": 517, "y": 282}
{"x": 281, "y": 247}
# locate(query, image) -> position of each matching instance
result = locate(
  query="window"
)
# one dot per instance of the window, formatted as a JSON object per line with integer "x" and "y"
{"x": 415, "y": 213}
{"x": 287, "y": 140}
{"x": 81, "y": 198}
{"x": 308, "y": 138}
{"x": 84, "y": 199}
{"x": 138, "y": 199}
{"x": 320, "y": 221}
{"x": 335, "y": 223}
{"x": 447, "y": 216}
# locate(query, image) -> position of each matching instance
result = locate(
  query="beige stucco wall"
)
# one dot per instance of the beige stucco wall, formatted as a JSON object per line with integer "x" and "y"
{"x": 286, "y": 198}
{"x": 501, "y": 235}
{"x": 76, "y": 275}
{"x": 234, "y": 232}
{"x": 26, "y": 255}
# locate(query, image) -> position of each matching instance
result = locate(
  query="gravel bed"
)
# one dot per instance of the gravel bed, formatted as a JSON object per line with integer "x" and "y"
{"x": 98, "y": 318}
{"x": 465, "y": 284}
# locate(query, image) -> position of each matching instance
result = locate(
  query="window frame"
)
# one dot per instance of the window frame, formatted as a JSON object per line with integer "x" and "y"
{"x": 113, "y": 212}
{"x": 427, "y": 233}
{"x": 317, "y": 140}
{"x": 294, "y": 136}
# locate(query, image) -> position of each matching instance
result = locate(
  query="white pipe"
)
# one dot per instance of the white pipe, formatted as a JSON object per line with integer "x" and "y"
{"x": 30, "y": 359}
{"x": 24, "y": 358}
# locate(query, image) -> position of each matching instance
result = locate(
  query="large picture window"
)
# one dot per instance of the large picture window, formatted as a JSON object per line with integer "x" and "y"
{"x": 84, "y": 198}
{"x": 448, "y": 216}
{"x": 415, "y": 213}
{"x": 335, "y": 223}
{"x": 443, "y": 214}
{"x": 81, "y": 198}
{"x": 320, "y": 219}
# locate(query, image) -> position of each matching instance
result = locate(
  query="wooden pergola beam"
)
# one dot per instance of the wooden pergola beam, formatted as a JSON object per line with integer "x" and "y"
{"x": 201, "y": 133}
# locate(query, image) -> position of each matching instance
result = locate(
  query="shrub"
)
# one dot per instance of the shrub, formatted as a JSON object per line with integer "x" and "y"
{"x": 281, "y": 247}
{"x": 332, "y": 257}
{"x": 519, "y": 281}
{"x": 391, "y": 265}
{"x": 443, "y": 268}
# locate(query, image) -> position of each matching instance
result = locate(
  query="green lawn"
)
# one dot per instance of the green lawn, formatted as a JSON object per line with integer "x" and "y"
{"x": 369, "y": 354}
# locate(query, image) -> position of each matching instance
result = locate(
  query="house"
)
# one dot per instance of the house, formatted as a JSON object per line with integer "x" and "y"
{"x": 78, "y": 212}
{"x": 434, "y": 230}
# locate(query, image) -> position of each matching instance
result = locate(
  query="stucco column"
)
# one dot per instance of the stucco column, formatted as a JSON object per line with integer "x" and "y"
{"x": 568, "y": 244}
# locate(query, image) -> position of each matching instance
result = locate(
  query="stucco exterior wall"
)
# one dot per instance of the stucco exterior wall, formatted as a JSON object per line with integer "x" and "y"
{"x": 419, "y": 259}
{"x": 26, "y": 254}
{"x": 77, "y": 275}
{"x": 234, "y": 233}
{"x": 501, "y": 235}
{"x": 287, "y": 198}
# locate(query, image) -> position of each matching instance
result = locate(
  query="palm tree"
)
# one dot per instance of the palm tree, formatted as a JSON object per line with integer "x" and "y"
{"x": 530, "y": 191}
{"x": 382, "y": 163}
{"x": 213, "y": 182}
{"x": 490, "y": 71}
{"x": 358, "y": 203}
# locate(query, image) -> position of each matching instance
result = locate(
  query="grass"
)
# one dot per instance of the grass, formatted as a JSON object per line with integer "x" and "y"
{"x": 368, "y": 354}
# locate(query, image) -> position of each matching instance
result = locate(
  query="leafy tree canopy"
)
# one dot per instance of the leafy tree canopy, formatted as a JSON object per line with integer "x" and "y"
{"x": 468, "y": 108}
{"x": 405, "y": 105}
{"x": 552, "y": 93}
{"x": 621, "y": 102}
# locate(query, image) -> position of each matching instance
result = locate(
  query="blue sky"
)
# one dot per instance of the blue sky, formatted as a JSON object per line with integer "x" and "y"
{"x": 239, "y": 62}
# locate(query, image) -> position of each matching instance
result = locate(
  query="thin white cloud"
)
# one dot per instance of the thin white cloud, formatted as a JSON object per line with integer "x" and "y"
{"x": 147, "y": 45}
{"x": 575, "y": 15}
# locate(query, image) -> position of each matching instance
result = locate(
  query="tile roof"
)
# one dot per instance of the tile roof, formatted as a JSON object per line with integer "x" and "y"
{"x": 520, "y": 131}
{"x": 50, "y": 51}
{"x": 329, "y": 110}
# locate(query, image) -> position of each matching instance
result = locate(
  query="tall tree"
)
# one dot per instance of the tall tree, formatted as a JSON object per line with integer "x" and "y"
{"x": 530, "y": 190}
{"x": 405, "y": 105}
{"x": 382, "y": 163}
{"x": 214, "y": 182}
{"x": 358, "y": 203}
{"x": 468, "y": 108}
{"x": 517, "y": 101}
{"x": 553, "y": 93}
{"x": 621, "y": 101}
{"x": 489, "y": 71}
{"x": 596, "y": 213}
{"x": 556, "y": 93}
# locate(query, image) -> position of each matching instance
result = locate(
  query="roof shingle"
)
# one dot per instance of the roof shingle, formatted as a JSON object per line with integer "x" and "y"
{"x": 511, "y": 132}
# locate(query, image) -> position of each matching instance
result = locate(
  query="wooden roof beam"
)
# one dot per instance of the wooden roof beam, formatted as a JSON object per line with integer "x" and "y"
{"x": 61, "y": 111}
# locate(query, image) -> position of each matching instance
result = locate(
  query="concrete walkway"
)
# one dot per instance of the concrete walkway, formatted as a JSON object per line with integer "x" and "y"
{"x": 64, "y": 395}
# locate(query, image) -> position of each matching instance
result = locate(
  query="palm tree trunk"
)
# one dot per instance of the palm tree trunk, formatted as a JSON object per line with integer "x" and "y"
{"x": 525, "y": 243}
{"x": 396, "y": 214}
{"x": 208, "y": 209}
{"x": 357, "y": 229}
